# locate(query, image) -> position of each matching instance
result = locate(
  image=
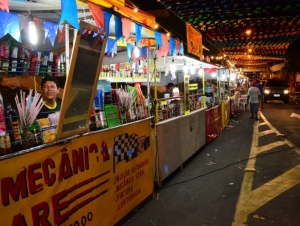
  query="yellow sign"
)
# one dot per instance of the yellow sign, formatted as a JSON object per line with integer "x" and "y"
{"x": 194, "y": 41}
{"x": 91, "y": 180}
{"x": 144, "y": 42}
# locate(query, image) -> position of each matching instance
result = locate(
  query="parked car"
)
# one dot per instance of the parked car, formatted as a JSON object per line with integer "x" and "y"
{"x": 276, "y": 90}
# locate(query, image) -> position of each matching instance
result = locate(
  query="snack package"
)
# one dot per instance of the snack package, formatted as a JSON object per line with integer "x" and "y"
{"x": 48, "y": 131}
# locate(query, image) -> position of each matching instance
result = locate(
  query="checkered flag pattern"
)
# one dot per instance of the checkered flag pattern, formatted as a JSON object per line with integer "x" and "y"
{"x": 125, "y": 147}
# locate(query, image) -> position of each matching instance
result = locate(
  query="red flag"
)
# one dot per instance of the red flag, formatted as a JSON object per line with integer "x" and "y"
{"x": 4, "y": 5}
{"x": 126, "y": 27}
{"x": 61, "y": 35}
{"x": 97, "y": 14}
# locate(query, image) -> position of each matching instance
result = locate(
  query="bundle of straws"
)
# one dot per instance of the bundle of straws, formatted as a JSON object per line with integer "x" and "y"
{"x": 28, "y": 109}
{"x": 126, "y": 98}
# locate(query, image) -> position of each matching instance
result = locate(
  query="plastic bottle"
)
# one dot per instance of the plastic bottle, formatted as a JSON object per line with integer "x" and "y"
{"x": 50, "y": 63}
{"x": 5, "y": 58}
{"x": 1, "y": 55}
{"x": 5, "y": 147}
{"x": 13, "y": 127}
{"x": 44, "y": 66}
{"x": 14, "y": 61}
{"x": 35, "y": 129}
{"x": 62, "y": 65}
{"x": 2, "y": 116}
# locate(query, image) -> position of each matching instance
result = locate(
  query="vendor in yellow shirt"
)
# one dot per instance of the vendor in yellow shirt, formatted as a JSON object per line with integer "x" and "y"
{"x": 50, "y": 91}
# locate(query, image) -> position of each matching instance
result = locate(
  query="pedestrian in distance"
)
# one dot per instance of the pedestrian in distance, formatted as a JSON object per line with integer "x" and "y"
{"x": 261, "y": 89}
{"x": 253, "y": 99}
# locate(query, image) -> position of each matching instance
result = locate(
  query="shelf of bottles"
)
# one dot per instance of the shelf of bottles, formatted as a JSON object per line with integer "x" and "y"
{"x": 173, "y": 107}
{"x": 23, "y": 61}
{"x": 125, "y": 73}
{"x": 16, "y": 61}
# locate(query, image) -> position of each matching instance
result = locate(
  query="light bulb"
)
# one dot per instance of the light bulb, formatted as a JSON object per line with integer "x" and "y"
{"x": 173, "y": 67}
{"x": 136, "y": 52}
{"x": 185, "y": 69}
{"x": 32, "y": 30}
{"x": 192, "y": 69}
{"x": 200, "y": 72}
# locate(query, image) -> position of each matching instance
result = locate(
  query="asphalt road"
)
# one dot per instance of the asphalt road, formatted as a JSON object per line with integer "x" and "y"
{"x": 248, "y": 175}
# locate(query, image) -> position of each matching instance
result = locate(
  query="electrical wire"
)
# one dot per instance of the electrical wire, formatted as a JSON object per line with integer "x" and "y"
{"x": 231, "y": 164}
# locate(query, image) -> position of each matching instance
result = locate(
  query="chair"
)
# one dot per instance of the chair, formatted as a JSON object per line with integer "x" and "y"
{"x": 242, "y": 101}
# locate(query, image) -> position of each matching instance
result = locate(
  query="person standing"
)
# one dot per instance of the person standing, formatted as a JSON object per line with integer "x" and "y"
{"x": 260, "y": 86}
{"x": 253, "y": 99}
{"x": 169, "y": 89}
{"x": 50, "y": 91}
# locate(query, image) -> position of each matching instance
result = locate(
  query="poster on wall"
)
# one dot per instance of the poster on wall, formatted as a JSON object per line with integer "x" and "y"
{"x": 91, "y": 180}
{"x": 194, "y": 41}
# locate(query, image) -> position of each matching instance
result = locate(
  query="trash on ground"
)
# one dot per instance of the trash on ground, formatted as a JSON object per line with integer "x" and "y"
{"x": 210, "y": 163}
{"x": 231, "y": 183}
{"x": 258, "y": 217}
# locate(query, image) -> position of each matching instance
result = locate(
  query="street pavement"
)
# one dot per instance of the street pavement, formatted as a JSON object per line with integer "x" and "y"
{"x": 248, "y": 175}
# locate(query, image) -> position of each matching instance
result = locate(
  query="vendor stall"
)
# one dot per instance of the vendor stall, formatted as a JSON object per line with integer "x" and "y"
{"x": 70, "y": 170}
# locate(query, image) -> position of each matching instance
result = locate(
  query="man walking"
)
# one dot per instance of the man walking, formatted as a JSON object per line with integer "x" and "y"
{"x": 253, "y": 99}
{"x": 261, "y": 89}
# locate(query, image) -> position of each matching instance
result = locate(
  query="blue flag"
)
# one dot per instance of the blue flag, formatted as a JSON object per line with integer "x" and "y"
{"x": 107, "y": 16}
{"x": 9, "y": 24}
{"x": 129, "y": 51}
{"x": 50, "y": 31}
{"x": 118, "y": 27}
{"x": 69, "y": 13}
{"x": 138, "y": 33}
{"x": 158, "y": 39}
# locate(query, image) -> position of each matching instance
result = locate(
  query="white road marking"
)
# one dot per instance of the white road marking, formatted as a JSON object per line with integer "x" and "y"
{"x": 251, "y": 200}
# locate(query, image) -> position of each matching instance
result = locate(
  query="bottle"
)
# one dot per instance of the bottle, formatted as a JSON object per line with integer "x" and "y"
{"x": 56, "y": 66}
{"x": 35, "y": 64}
{"x": 2, "y": 116}
{"x": 13, "y": 61}
{"x": 63, "y": 65}
{"x": 13, "y": 128}
{"x": 1, "y": 55}
{"x": 35, "y": 129}
{"x": 4, "y": 144}
{"x": 44, "y": 66}
{"x": 160, "y": 113}
{"x": 50, "y": 63}
{"x": 24, "y": 62}
{"x": 5, "y": 59}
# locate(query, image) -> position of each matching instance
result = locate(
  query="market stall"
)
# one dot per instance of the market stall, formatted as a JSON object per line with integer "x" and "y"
{"x": 69, "y": 171}
{"x": 181, "y": 114}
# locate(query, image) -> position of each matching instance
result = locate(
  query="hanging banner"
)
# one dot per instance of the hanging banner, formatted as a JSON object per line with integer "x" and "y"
{"x": 119, "y": 7}
{"x": 194, "y": 41}
{"x": 91, "y": 180}
{"x": 144, "y": 42}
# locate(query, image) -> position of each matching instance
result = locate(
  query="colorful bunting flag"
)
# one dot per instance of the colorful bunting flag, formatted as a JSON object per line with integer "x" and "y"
{"x": 172, "y": 46}
{"x": 97, "y": 14}
{"x": 61, "y": 34}
{"x": 118, "y": 27}
{"x": 126, "y": 27}
{"x": 164, "y": 49}
{"x": 4, "y": 5}
{"x": 50, "y": 31}
{"x": 129, "y": 51}
{"x": 107, "y": 16}
{"x": 138, "y": 33}
{"x": 69, "y": 13}
{"x": 9, "y": 24}
{"x": 158, "y": 39}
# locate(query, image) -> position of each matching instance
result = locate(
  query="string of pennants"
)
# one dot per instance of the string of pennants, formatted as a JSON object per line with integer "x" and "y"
{"x": 13, "y": 24}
